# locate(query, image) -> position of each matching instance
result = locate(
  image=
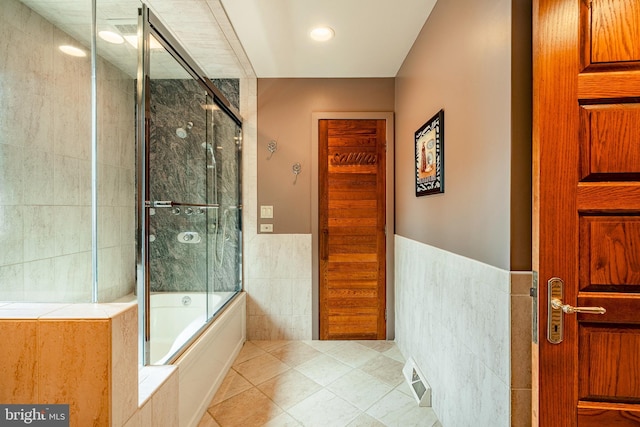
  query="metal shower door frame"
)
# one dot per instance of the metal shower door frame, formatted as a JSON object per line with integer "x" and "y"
{"x": 149, "y": 24}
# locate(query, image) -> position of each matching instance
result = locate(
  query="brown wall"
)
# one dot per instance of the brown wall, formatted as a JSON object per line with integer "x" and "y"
{"x": 284, "y": 115}
{"x": 462, "y": 62}
{"x": 521, "y": 137}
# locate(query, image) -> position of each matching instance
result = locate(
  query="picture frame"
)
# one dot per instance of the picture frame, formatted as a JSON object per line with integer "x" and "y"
{"x": 429, "y": 156}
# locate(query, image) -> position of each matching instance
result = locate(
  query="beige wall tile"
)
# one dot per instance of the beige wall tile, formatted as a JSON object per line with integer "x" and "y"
{"x": 78, "y": 377}
{"x": 521, "y": 282}
{"x": 164, "y": 403}
{"x": 124, "y": 371}
{"x": 12, "y": 279}
{"x": 11, "y": 220}
{"x": 18, "y": 361}
{"x": 521, "y": 407}
{"x": 46, "y": 152}
{"x": 142, "y": 417}
{"x": 521, "y": 342}
{"x": 134, "y": 421}
{"x": 146, "y": 415}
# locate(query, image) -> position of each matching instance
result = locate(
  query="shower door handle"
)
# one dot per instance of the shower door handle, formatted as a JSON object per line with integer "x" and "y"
{"x": 170, "y": 204}
{"x": 158, "y": 204}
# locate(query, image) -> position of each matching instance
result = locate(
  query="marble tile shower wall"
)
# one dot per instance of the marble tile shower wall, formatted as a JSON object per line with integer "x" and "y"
{"x": 452, "y": 317}
{"x": 181, "y": 170}
{"x": 45, "y": 169}
{"x": 230, "y": 88}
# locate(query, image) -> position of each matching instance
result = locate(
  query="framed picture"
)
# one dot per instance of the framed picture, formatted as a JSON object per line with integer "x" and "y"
{"x": 429, "y": 142}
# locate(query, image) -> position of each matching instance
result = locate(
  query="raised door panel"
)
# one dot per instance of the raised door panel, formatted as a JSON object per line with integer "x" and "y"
{"x": 614, "y": 28}
{"x": 607, "y": 414}
{"x": 609, "y": 363}
{"x": 610, "y": 253}
{"x": 609, "y": 344}
{"x": 610, "y": 141}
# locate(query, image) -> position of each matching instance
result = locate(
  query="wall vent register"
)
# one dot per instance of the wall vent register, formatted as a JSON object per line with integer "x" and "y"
{"x": 420, "y": 388}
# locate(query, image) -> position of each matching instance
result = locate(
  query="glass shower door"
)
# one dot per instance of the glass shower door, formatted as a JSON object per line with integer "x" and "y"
{"x": 223, "y": 183}
{"x": 179, "y": 208}
{"x": 189, "y": 146}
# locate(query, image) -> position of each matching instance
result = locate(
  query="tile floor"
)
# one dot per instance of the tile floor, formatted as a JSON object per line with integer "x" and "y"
{"x": 317, "y": 383}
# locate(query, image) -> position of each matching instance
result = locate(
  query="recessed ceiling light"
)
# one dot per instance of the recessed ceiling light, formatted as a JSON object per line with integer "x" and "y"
{"x": 322, "y": 34}
{"x": 111, "y": 37}
{"x": 72, "y": 50}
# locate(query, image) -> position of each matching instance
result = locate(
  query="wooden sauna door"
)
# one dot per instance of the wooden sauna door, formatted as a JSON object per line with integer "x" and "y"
{"x": 352, "y": 228}
{"x": 587, "y": 211}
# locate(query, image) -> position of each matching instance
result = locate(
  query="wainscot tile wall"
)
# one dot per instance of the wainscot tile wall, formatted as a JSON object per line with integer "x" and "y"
{"x": 279, "y": 287}
{"x": 453, "y": 319}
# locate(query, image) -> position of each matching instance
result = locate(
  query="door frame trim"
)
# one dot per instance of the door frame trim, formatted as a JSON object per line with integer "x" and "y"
{"x": 390, "y": 219}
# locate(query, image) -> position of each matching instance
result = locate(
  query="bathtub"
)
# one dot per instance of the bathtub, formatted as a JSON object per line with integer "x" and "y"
{"x": 204, "y": 364}
{"x": 176, "y": 317}
{"x": 206, "y": 360}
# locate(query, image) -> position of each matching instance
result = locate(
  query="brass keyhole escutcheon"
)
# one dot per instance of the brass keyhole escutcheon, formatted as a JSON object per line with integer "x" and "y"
{"x": 555, "y": 328}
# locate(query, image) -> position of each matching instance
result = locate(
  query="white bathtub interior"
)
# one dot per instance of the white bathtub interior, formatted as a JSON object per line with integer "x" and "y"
{"x": 176, "y": 317}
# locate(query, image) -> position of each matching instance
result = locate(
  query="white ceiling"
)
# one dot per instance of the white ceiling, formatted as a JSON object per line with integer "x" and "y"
{"x": 236, "y": 38}
{"x": 372, "y": 37}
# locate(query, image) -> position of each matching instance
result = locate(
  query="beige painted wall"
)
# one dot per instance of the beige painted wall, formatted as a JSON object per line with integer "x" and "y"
{"x": 284, "y": 115}
{"x": 521, "y": 128}
{"x": 473, "y": 60}
{"x": 468, "y": 73}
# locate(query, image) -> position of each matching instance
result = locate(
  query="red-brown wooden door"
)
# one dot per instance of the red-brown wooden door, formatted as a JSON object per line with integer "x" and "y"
{"x": 352, "y": 228}
{"x": 587, "y": 210}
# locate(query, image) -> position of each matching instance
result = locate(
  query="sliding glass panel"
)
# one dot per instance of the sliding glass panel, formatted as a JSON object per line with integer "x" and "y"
{"x": 223, "y": 182}
{"x": 179, "y": 209}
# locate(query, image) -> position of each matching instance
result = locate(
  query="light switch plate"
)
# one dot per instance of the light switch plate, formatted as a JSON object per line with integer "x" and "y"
{"x": 266, "y": 211}
{"x": 266, "y": 228}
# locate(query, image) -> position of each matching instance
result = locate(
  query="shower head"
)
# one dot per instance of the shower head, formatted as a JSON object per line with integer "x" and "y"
{"x": 183, "y": 132}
